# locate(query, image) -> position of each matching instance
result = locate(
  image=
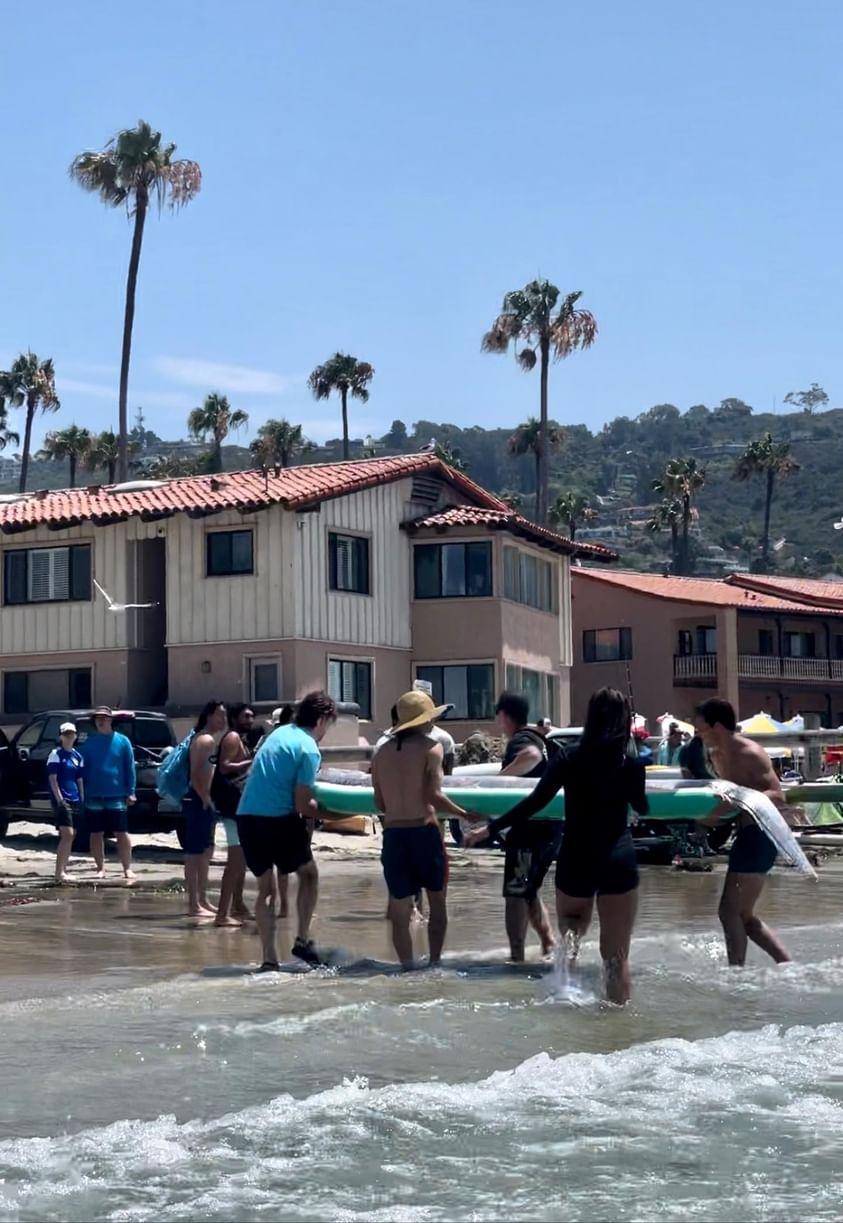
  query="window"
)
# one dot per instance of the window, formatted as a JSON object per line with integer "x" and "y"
{"x": 47, "y": 575}
{"x": 470, "y": 689}
{"x": 539, "y": 687}
{"x": 706, "y": 640}
{"x": 765, "y": 642}
{"x": 800, "y": 645}
{"x": 50, "y": 689}
{"x": 351, "y": 681}
{"x": 348, "y": 563}
{"x": 529, "y": 579}
{"x": 606, "y": 644}
{"x": 264, "y": 680}
{"x": 838, "y": 652}
{"x": 229, "y": 553}
{"x": 686, "y": 642}
{"x": 447, "y": 571}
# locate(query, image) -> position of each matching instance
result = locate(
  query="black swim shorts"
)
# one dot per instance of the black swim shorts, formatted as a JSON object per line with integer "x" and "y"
{"x": 274, "y": 840}
{"x": 199, "y": 824}
{"x": 752, "y": 852}
{"x": 414, "y": 858}
{"x": 584, "y": 871}
{"x": 107, "y": 815}
{"x": 529, "y": 854}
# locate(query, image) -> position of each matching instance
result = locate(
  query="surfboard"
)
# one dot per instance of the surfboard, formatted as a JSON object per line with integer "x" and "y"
{"x": 769, "y": 819}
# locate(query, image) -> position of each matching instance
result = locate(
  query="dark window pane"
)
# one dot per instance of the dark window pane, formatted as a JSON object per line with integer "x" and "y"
{"x": 348, "y": 563}
{"x": 241, "y": 552}
{"x": 480, "y": 696}
{"x": 426, "y": 558}
{"x": 589, "y": 647}
{"x": 15, "y": 692}
{"x": 332, "y": 564}
{"x": 432, "y": 676}
{"x": 363, "y": 688}
{"x": 15, "y": 577}
{"x": 478, "y": 562}
{"x": 765, "y": 641}
{"x": 361, "y": 566}
{"x": 219, "y": 554}
{"x": 453, "y": 570}
{"x": 229, "y": 552}
{"x": 455, "y": 691}
{"x": 80, "y": 572}
{"x": 80, "y": 688}
{"x": 150, "y": 732}
{"x": 265, "y": 681}
{"x": 625, "y": 635}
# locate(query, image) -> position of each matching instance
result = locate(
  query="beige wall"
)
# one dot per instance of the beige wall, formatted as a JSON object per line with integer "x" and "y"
{"x": 118, "y": 677}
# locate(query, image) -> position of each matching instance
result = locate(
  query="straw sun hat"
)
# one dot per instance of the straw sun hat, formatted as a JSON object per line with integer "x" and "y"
{"x": 417, "y": 709}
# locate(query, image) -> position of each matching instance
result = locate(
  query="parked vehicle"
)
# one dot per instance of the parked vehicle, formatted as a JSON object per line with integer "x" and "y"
{"x": 24, "y": 794}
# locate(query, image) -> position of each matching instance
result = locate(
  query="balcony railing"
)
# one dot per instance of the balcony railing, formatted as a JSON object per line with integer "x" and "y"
{"x": 694, "y": 668}
{"x": 771, "y": 666}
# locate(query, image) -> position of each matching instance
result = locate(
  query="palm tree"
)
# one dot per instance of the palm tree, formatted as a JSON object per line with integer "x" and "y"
{"x": 29, "y": 384}
{"x": 528, "y": 316}
{"x": 133, "y": 170}
{"x": 681, "y": 481}
{"x": 771, "y": 459}
{"x": 572, "y": 509}
{"x": 277, "y": 444}
{"x": 668, "y": 513}
{"x": 452, "y": 455}
{"x": 216, "y": 420}
{"x": 72, "y": 443}
{"x": 527, "y": 439}
{"x": 348, "y": 376}
{"x": 105, "y": 451}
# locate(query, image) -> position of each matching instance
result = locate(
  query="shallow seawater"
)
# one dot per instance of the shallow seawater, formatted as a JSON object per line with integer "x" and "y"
{"x": 147, "y": 1074}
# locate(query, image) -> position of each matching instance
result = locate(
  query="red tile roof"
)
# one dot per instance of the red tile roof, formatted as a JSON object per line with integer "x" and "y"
{"x": 293, "y": 487}
{"x": 509, "y": 520}
{"x": 715, "y": 592}
{"x": 805, "y": 590}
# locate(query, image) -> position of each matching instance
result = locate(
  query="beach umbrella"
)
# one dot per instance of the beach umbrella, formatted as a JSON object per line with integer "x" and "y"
{"x": 664, "y": 724}
{"x": 760, "y": 724}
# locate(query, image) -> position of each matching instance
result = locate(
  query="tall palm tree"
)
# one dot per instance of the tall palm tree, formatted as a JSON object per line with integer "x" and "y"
{"x": 574, "y": 510}
{"x": 277, "y": 444}
{"x": 135, "y": 170}
{"x": 530, "y": 316}
{"x": 30, "y": 384}
{"x": 668, "y": 514}
{"x": 215, "y": 419}
{"x": 348, "y": 376}
{"x": 681, "y": 481}
{"x": 72, "y": 443}
{"x": 771, "y": 459}
{"x": 527, "y": 439}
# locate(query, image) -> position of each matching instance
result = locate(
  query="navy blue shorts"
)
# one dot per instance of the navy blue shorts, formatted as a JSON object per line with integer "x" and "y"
{"x": 282, "y": 841}
{"x": 68, "y": 815}
{"x": 414, "y": 858}
{"x": 584, "y": 871}
{"x": 107, "y": 815}
{"x": 752, "y": 852}
{"x": 200, "y": 822}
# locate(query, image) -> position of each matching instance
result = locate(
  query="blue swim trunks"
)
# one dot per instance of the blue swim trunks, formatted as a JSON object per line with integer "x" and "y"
{"x": 752, "y": 852}
{"x": 413, "y": 859}
{"x": 108, "y": 815}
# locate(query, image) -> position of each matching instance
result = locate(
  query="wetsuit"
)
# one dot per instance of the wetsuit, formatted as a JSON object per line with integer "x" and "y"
{"x": 531, "y": 846}
{"x": 597, "y": 853}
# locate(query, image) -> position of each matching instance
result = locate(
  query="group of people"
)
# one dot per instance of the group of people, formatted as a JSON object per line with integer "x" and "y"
{"x": 267, "y": 801}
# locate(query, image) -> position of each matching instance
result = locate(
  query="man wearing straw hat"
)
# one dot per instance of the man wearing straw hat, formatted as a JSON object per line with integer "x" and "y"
{"x": 407, "y": 775}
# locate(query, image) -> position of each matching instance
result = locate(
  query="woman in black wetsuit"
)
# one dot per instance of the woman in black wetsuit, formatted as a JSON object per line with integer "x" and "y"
{"x": 597, "y": 857}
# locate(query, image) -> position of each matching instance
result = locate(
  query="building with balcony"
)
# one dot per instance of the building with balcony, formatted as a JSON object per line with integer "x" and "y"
{"x": 357, "y": 577}
{"x": 761, "y": 642}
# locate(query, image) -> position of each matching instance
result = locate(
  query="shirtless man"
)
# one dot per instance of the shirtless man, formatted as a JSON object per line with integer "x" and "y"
{"x": 234, "y": 759}
{"x": 753, "y": 853}
{"x": 407, "y": 776}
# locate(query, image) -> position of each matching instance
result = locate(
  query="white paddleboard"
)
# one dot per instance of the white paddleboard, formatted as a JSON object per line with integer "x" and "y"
{"x": 769, "y": 819}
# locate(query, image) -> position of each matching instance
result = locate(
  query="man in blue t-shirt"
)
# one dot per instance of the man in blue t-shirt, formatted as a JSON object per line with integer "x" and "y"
{"x": 272, "y": 820}
{"x": 109, "y": 761}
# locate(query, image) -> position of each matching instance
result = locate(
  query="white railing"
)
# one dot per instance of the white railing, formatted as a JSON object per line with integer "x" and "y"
{"x": 695, "y": 666}
{"x": 759, "y": 666}
{"x": 771, "y": 666}
{"x": 806, "y": 668}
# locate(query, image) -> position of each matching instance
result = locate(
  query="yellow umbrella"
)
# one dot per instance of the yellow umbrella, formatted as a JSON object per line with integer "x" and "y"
{"x": 759, "y": 724}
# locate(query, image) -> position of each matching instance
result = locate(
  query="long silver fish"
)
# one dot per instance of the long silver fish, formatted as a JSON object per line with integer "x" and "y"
{"x": 769, "y": 819}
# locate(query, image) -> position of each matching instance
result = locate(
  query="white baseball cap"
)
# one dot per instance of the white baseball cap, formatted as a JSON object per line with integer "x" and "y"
{"x": 67, "y": 728}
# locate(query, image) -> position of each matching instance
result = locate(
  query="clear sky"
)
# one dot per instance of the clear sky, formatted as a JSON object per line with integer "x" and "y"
{"x": 378, "y": 173}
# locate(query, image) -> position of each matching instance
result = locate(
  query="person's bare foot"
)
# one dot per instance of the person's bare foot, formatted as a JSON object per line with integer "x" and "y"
{"x": 227, "y": 922}
{"x": 548, "y": 945}
{"x": 129, "y": 878}
{"x": 100, "y": 874}
{"x": 201, "y": 911}
{"x": 62, "y": 879}
{"x": 207, "y": 906}
{"x": 243, "y": 914}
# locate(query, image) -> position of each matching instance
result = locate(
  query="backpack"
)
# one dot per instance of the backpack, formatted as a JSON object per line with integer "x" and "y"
{"x": 173, "y": 777}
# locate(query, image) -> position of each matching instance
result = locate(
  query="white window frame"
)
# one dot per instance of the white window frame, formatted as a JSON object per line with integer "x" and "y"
{"x": 333, "y": 657}
{"x": 264, "y": 660}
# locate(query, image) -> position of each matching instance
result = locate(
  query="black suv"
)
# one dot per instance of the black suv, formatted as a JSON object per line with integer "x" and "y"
{"x": 24, "y": 794}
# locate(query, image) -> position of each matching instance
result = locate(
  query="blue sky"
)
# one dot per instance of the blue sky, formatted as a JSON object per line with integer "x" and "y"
{"x": 378, "y": 173}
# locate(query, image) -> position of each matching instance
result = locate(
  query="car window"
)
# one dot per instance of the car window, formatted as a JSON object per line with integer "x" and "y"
{"x": 30, "y": 736}
{"x": 50, "y": 737}
{"x": 153, "y": 732}
{"x": 84, "y": 727}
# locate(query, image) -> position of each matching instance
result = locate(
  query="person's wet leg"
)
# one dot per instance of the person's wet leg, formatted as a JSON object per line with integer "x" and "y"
{"x": 437, "y": 924}
{"x": 239, "y": 908}
{"x": 540, "y": 921}
{"x": 97, "y": 840}
{"x": 283, "y": 895}
{"x": 617, "y": 918}
{"x": 574, "y": 916}
{"x": 63, "y": 853}
{"x": 749, "y": 891}
{"x": 265, "y": 916}
{"x": 400, "y": 912}
{"x": 203, "y": 870}
{"x": 306, "y": 897}
{"x": 516, "y": 916}
{"x": 124, "y": 851}
{"x": 729, "y": 912}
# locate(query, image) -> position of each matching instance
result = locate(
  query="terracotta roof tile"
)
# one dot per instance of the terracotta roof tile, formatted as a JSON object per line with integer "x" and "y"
{"x": 808, "y": 590}
{"x": 293, "y": 487}
{"x": 509, "y": 520}
{"x": 715, "y": 592}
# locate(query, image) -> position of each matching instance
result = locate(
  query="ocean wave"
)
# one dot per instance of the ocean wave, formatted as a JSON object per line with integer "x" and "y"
{"x": 745, "y": 1125}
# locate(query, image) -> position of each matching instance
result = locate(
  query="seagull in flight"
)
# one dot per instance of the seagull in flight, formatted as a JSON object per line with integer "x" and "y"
{"x": 120, "y": 607}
